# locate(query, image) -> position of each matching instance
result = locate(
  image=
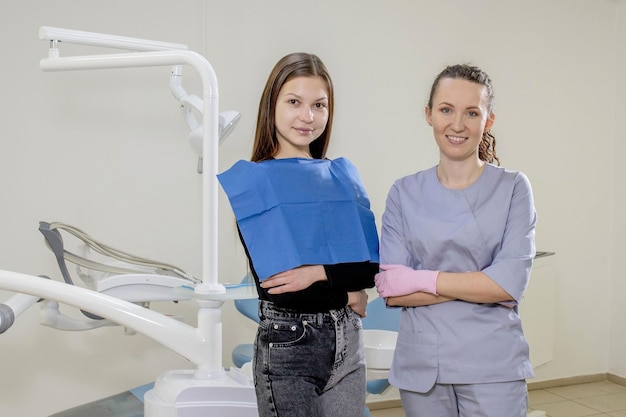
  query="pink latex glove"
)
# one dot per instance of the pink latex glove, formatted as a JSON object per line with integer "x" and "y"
{"x": 397, "y": 280}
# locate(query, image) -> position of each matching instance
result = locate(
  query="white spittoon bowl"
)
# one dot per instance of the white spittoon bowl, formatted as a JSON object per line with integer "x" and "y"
{"x": 379, "y": 348}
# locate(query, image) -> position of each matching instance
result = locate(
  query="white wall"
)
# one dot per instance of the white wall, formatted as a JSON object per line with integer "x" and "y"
{"x": 106, "y": 151}
{"x": 617, "y": 346}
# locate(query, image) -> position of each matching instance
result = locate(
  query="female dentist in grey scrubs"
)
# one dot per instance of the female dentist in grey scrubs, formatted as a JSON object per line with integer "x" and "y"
{"x": 457, "y": 245}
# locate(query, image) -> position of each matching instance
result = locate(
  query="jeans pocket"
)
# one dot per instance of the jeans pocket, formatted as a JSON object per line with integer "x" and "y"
{"x": 285, "y": 332}
{"x": 354, "y": 318}
{"x": 288, "y": 348}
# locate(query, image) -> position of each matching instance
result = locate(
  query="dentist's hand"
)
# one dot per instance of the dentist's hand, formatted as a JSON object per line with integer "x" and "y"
{"x": 397, "y": 280}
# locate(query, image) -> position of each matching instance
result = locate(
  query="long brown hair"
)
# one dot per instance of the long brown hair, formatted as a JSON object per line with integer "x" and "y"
{"x": 297, "y": 64}
{"x": 487, "y": 146}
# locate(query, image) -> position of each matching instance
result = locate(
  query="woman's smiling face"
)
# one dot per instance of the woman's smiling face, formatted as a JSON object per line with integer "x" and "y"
{"x": 301, "y": 115}
{"x": 459, "y": 116}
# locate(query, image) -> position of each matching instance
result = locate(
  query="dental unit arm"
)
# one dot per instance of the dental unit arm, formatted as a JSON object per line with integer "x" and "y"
{"x": 193, "y": 344}
{"x": 209, "y": 388}
{"x": 13, "y": 307}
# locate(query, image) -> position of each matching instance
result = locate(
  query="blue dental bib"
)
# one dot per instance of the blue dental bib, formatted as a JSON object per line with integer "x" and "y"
{"x": 296, "y": 211}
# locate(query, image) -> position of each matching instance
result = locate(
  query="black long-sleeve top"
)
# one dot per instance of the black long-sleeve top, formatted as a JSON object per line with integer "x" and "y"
{"x": 325, "y": 295}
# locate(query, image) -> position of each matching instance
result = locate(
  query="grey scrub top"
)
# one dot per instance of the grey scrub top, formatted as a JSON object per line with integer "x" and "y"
{"x": 489, "y": 227}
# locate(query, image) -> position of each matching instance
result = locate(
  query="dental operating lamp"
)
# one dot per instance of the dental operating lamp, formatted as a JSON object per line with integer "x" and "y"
{"x": 190, "y": 103}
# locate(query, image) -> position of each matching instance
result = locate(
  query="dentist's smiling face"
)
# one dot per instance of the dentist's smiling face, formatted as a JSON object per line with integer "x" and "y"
{"x": 459, "y": 116}
{"x": 301, "y": 115}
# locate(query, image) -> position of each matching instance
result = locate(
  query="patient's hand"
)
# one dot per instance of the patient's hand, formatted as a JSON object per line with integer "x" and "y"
{"x": 357, "y": 301}
{"x": 293, "y": 280}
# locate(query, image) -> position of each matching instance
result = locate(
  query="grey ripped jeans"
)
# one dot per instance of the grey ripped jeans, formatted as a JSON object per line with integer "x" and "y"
{"x": 309, "y": 364}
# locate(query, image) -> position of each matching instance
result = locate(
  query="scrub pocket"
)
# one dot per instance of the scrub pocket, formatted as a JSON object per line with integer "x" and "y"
{"x": 415, "y": 362}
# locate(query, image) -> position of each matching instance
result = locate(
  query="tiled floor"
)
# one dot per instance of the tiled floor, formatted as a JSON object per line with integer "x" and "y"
{"x": 582, "y": 400}
{"x": 388, "y": 412}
